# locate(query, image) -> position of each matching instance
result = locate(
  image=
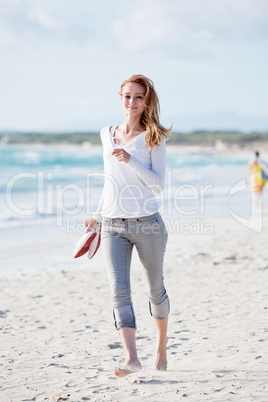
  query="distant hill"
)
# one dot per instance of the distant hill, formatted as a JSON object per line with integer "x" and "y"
{"x": 192, "y": 138}
{"x": 211, "y": 137}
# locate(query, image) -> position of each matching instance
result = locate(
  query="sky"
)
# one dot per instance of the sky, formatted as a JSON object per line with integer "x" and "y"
{"x": 62, "y": 62}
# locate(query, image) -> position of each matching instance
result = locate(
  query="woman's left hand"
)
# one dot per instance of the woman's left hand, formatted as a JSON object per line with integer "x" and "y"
{"x": 121, "y": 155}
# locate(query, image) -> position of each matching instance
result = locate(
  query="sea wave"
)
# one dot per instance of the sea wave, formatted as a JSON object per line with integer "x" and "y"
{"x": 60, "y": 167}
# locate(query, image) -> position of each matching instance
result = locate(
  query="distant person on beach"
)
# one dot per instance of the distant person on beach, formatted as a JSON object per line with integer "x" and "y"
{"x": 134, "y": 155}
{"x": 258, "y": 173}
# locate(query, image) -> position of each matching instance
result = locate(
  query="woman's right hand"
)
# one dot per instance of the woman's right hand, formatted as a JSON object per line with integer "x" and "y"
{"x": 90, "y": 223}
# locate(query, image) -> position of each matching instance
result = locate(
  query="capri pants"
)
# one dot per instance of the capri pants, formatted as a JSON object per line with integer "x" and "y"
{"x": 149, "y": 235}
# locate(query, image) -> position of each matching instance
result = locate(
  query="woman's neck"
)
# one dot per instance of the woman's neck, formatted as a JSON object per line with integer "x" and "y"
{"x": 132, "y": 123}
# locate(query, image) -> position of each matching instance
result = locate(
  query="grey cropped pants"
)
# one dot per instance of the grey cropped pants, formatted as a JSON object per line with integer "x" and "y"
{"x": 149, "y": 235}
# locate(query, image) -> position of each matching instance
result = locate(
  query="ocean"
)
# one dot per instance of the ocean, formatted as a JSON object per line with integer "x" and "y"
{"x": 48, "y": 191}
{"x": 50, "y": 185}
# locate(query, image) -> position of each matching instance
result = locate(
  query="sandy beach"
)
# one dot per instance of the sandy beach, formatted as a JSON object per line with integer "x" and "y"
{"x": 112, "y": 109}
{"x": 58, "y": 341}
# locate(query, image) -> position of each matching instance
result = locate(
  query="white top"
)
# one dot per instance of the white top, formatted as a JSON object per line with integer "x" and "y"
{"x": 129, "y": 188}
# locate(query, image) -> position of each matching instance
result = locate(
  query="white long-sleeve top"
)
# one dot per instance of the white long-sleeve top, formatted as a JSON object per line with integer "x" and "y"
{"x": 129, "y": 188}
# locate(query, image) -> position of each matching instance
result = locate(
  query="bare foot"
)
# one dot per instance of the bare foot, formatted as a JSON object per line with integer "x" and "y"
{"x": 127, "y": 369}
{"x": 161, "y": 361}
{"x": 161, "y": 356}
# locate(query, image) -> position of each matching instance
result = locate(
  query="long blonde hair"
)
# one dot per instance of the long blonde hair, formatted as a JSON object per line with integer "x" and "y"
{"x": 155, "y": 132}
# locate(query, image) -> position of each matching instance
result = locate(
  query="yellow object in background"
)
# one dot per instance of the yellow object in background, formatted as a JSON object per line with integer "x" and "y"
{"x": 257, "y": 177}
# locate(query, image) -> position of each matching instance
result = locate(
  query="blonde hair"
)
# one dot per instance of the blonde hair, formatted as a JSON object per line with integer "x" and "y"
{"x": 155, "y": 132}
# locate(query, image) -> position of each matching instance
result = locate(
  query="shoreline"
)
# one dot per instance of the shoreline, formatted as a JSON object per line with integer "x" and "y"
{"x": 50, "y": 250}
{"x": 220, "y": 148}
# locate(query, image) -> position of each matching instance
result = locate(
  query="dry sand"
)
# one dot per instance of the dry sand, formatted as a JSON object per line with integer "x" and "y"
{"x": 58, "y": 340}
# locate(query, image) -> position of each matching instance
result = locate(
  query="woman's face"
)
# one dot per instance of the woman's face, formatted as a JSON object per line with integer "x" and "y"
{"x": 132, "y": 98}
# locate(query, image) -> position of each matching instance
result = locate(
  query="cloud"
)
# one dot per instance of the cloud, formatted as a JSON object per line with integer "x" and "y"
{"x": 44, "y": 18}
{"x": 141, "y": 28}
{"x": 6, "y": 37}
{"x": 187, "y": 29}
{"x": 157, "y": 23}
{"x": 28, "y": 22}
{"x": 22, "y": 21}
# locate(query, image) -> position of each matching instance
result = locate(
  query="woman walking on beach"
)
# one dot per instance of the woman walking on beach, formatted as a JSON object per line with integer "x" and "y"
{"x": 134, "y": 155}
